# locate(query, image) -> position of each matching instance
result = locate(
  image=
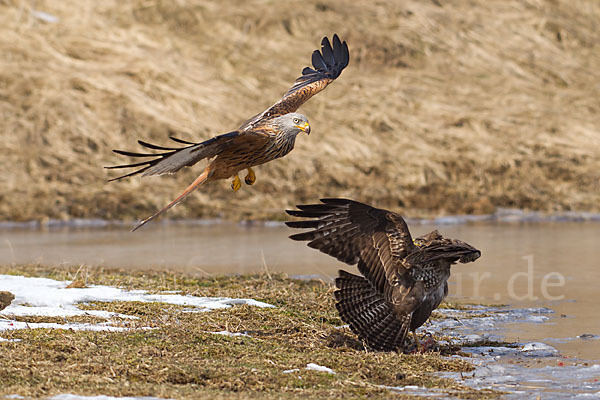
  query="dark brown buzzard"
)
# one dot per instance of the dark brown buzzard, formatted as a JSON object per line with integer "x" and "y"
{"x": 263, "y": 138}
{"x": 403, "y": 280}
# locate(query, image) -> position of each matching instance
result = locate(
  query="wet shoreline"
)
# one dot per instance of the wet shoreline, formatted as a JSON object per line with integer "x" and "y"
{"x": 522, "y": 264}
{"x": 524, "y": 369}
{"x": 501, "y": 216}
{"x": 472, "y": 333}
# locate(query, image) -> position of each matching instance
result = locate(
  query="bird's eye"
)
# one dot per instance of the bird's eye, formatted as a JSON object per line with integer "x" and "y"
{"x": 296, "y": 120}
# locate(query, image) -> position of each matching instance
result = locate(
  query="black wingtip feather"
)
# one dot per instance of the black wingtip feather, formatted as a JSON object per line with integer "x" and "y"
{"x": 302, "y": 224}
{"x": 306, "y": 214}
{"x": 299, "y": 237}
{"x": 328, "y": 63}
{"x": 131, "y": 154}
{"x": 294, "y": 213}
{"x": 181, "y": 140}
{"x": 337, "y": 55}
{"x": 154, "y": 146}
{"x": 318, "y": 62}
{"x": 128, "y": 165}
{"x": 335, "y": 200}
{"x": 327, "y": 52}
{"x": 337, "y": 43}
{"x": 313, "y": 207}
{"x": 316, "y": 210}
{"x": 139, "y": 171}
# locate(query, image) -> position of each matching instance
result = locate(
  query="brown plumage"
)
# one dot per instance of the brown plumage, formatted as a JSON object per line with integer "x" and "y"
{"x": 5, "y": 299}
{"x": 403, "y": 281}
{"x": 263, "y": 138}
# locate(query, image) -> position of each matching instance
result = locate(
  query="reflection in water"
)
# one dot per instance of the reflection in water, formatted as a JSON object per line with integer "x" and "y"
{"x": 538, "y": 264}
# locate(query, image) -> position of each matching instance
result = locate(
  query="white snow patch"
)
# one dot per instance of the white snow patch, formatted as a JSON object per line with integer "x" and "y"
{"x": 51, "y": 298}
{"x": 227, "y": 333}
{"x": 13, "y": 396}
{"x": 289, "y": 371}
{"x": 9, "y": 340}
{"x": 593, "y": 368}
{"x": 538, "y": 349}
{"x": 49, "y": 311}
{"x": 320, "y": 368}
{"x": 416, "y": 390}
{"x": 7, "y": 325}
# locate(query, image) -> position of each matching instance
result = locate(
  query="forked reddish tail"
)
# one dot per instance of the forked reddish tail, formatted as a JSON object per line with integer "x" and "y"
{"x": 199, "y": 181}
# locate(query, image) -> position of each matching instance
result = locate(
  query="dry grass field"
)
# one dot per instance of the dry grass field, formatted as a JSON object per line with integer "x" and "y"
{"x": 447, "y": 106}
{"x": 179, "y": 358}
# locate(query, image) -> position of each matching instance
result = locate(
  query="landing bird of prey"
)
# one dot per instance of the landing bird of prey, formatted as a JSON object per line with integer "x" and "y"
{"x": 263, "y": 138}
{"x": 403, "y": 280}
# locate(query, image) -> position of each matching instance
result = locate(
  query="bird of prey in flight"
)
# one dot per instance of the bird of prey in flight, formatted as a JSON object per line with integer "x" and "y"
{"x": 402, "y": 280}
{"x": 267, "y": 136}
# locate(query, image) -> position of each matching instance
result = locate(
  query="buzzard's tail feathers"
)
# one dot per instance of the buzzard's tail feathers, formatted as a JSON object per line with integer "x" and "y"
{"x": 368, "y": 314}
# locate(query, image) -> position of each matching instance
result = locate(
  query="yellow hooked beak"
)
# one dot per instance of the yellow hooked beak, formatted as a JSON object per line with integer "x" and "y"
{"x": 305, "y": 128}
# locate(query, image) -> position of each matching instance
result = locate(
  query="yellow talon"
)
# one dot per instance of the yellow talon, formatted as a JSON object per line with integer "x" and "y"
{"x": 236, "y": 184}
{"x": 250, "y": 177}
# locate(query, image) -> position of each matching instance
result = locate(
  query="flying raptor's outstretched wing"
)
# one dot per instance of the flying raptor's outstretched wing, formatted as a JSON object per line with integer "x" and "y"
{"x": 327, "y": 66}
{"x": 173, "y": 159}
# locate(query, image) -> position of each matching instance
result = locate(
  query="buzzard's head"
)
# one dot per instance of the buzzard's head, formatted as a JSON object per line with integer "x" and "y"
{"x": 436, "y": 247}
{"x": 428, "y": 239}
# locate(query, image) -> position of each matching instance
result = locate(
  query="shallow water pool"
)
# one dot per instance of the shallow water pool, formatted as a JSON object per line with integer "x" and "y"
{"x": 553, "y": 265}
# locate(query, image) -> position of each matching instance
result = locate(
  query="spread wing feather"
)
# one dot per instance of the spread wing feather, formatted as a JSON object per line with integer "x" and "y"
{"x": 327, "y": 66}
{"x": 354, "y": 233}
{"x": 173, "y": 159}
{"x": 447, "y": 249}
